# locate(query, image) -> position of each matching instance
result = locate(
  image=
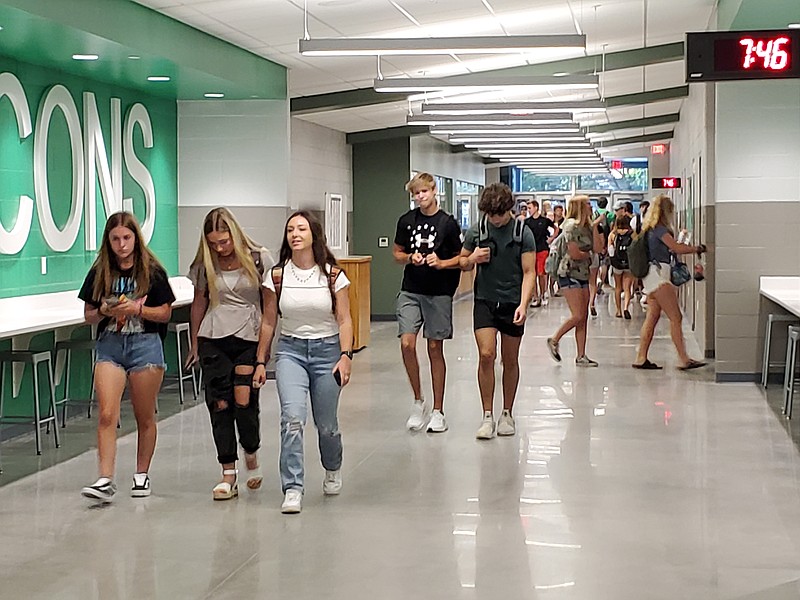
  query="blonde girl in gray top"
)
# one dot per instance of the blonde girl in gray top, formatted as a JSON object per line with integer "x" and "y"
{"x": 228, "y": 273}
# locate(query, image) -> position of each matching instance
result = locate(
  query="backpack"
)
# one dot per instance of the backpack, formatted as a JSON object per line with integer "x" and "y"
{"x": 277, "y": 281}
{"x": 639, "y": 255}
{"x": 558, "y": 250}
{"x": 516, "y": 236}
{"x": 622, "y": 242}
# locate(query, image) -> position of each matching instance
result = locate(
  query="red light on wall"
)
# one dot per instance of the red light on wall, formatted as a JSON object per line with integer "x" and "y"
{"x": 665, "y": 183}
{"x": 658, "y": 149}
{"x": 617, "y": 165}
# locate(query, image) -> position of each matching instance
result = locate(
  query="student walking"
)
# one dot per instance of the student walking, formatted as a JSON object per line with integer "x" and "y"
{"x": 504, "y": 251}
{"x": 314, "y": 352}
{"x": 662, "y": 295}
{"x": 225, "y": 328}
{"x": 583, "y": 240}
{"x": 619, "y": 241}
{"x": 544, "y": 232}
{"x": 127, "y": 294}
{"x": 427, "y": 242}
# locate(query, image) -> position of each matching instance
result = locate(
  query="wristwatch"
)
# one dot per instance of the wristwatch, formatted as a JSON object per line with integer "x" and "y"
{"x": 348, "y": 354}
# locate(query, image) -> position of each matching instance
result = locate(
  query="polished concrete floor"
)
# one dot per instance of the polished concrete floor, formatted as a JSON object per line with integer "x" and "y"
{"x": 619, "y": 484}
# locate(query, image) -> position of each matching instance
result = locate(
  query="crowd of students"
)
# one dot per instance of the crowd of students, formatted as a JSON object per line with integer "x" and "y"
{"x": 241, "y": 294}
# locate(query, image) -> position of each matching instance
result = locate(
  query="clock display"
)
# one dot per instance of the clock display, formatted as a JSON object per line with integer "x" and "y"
{"x": 732, "y": 55}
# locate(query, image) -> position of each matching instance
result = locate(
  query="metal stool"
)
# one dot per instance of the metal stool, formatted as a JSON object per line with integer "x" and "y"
{"x": 772, "y": 318}
{"x": 34, "y": 359}
{"x": 179, "y": 328}
{"x": 791, "y": 366}
{"x": 69, "y": 346}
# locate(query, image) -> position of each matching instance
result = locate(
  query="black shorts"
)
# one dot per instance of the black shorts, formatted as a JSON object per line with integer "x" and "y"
{"x": 219, "y": 357}
{"x": 497, "y": 315}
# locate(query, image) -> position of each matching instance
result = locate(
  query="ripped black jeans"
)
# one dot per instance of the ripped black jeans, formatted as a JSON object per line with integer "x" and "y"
{"x": 219, "y": 359}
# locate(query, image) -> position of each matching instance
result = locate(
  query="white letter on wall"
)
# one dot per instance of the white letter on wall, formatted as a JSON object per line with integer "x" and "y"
{"x": 138, "y": 114}
{"x": 13, "y": 241}
{"x": 96, "y": 156}
{"x": 59, "y": 240}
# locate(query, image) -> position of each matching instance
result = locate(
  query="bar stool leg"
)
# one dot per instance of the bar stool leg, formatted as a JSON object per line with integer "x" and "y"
{"x": 68, "y": 366}
{"x": 180, "y": 365}
{"x": 37, "y": 418}
{"x": 767, "y": 343}
{"x": 788, "y": 378}
{"x": 51, "y": 384}
{"x": 91, "y": 386}
{"x": 192, "y": 368}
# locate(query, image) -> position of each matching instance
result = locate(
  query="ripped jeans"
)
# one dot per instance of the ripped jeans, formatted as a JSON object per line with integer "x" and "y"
{"x": 303, "y": 367}
{"x": 219, "y": 359}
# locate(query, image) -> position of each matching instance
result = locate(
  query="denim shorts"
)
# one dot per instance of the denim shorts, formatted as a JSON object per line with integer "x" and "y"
{"x": 132, "y": 351}
{"x": 570, "y": 282}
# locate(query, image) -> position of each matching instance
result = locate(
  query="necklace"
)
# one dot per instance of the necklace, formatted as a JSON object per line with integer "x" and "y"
{"x": 302, "y": 279}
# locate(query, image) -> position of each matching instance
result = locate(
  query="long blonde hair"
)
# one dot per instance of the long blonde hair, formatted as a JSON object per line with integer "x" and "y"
{"x": 105, "y": 265}
{"x": 660, "y": 212}
{"x": 578, "y": 209}
{"x": 222, "y": 220}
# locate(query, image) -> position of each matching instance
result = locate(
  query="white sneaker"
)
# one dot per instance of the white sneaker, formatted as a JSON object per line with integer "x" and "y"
{"x": 141, "y": 486}
{"x": 486, "y": 430}
{"x": 333, "y": 483}
{"x": 420, "y": 413}
{"x": 505, "y": 424}
{"x": 292, "y": 501}
{"x": 437, "y": 424}
{"x": 585, "y": 361}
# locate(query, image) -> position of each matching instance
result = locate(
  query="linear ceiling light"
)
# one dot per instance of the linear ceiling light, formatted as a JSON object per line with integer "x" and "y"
{"x": 529, "y": 145}
{"x": 466, "y": 138}
{"x": 501, "y": 44}
{"x": 544, "y": 119}
{"x": 482, "y": 81}
{"x": 510, "y": 108}
{"x": 560, "y": 128}
{"x": 542, "y": 151}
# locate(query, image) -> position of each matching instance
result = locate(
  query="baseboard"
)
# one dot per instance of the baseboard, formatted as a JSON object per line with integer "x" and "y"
{"x": 383, "y": 318}
{"x": 737, "y": 377}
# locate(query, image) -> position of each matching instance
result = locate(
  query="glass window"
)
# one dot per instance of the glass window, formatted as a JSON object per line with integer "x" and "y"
{"x": 466, "y": 209}
{"x": 534, "y": 182}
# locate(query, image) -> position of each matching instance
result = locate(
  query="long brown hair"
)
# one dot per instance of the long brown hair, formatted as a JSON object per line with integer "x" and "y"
{"x": 319, "y": 245}
{"x": 222, "y": 220}
{"x": 105, "y": 265}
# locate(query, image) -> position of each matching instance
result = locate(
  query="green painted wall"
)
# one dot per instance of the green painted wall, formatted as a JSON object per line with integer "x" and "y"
{"x": 380, "y": 172}
{"x": 21, "y": 273}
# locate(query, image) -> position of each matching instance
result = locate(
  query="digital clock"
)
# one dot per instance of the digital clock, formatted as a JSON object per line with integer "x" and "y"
{"x": 665, "y": 183}
{"x": 732, "y": 55}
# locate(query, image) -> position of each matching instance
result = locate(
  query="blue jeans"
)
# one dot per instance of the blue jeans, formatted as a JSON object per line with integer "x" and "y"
{"x": 303, "y": 367}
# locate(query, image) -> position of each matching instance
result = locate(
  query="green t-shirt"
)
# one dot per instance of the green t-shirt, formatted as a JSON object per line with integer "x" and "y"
{"x": 500, "y": 280}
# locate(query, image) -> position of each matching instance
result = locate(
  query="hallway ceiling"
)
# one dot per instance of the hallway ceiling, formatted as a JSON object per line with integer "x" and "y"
{"x": 272, "y": 28}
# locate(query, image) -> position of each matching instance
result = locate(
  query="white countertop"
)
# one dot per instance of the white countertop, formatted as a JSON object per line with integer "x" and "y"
{"x": 42, "y": 312}
{"x": 784, "y": 291}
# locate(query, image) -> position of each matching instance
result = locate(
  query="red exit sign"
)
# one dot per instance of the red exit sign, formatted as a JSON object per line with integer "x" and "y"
{"x": 658, "y": 149}
{"x": 665, "y": 183}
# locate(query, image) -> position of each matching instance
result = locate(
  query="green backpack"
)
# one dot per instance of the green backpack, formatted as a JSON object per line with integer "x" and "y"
{"x": 639, "y": 255}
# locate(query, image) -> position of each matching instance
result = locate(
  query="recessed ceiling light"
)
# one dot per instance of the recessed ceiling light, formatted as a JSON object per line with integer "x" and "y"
{"x": 85, "y": 57}
{"x": 214, "y": 95}
{"x": 791, "y": 26}
{"x": 134, "y": 57}
{"x": 158, "y": 78}
{"x": 560, "y": 74}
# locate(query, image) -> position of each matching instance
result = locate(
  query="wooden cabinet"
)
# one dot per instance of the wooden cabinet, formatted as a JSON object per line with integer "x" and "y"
{"x": 358, "y": 272}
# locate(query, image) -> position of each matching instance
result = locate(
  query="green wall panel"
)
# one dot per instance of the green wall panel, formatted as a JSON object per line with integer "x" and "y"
{"x": 20, "y": 274}
{"x": 380, "y": 172}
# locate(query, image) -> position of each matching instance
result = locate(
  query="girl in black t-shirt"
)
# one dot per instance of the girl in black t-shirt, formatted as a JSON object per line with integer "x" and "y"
{"x": 128, "y": 295}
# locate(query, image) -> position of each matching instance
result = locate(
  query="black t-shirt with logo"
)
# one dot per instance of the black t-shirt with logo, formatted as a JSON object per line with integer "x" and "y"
{"x": 124, "y": 283}
{"x": 539, "y": 227}
{"x": 437, "y": 233}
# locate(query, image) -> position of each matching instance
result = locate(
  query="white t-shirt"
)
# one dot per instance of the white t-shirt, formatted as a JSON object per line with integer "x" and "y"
{"x": 306, "y": 302}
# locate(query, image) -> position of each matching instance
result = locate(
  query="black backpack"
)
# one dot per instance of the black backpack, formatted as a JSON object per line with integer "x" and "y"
{"x": 621, "y": 244}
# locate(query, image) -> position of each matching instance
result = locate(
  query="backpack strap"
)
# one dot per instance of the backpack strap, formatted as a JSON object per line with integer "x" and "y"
{"x": 277, "y": 281}
{"x": 256, "y": 255}
{"x": 519, "y": 229}
{"x": 483, "y": 229}
{"x": 332, "y": 276}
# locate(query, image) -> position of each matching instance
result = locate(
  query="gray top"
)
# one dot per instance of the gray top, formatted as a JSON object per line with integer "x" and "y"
{"x": 500, "y": 280}
{"x": 239, "y": 310}
{"x": 576, "y": 268}
{"x": 659, "y": 251}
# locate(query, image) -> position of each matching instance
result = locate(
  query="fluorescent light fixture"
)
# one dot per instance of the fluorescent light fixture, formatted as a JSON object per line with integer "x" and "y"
{"x": 794, "y": 25}
{"x": 560, "y": 74}
{"x": 562, "y": 128}
{"x": 511, "y": 108}
{"x": 501, "y": 44}
{"x": 517, "y": 137}
{"x": 529, "y": 145}
{"x": 85, "y": 57}
{"x": 482, "y": 81}
{"x": 543, "y": 151}
{"x": 134, "y": 57}
{"x": 544, "y": 119}
{"x": 214, "y": 95}
{"x": 158, "y": 78}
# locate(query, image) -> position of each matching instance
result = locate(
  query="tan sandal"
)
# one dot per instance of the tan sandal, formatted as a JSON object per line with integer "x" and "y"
{"x": 224, "y": 490}
{"x": 254, "y": 476}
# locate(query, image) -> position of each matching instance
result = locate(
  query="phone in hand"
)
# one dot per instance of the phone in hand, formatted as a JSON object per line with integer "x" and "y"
{"x": 112, "y": 301}
{"x": 337, "y": 376}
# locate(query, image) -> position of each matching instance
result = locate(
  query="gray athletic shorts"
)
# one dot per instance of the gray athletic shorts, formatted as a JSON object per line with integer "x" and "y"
{"x": 436, "y": 312}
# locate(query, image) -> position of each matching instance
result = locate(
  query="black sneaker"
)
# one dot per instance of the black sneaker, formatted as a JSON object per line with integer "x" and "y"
{"x": 103, "y": 489}
{"x": 141, "y": 485}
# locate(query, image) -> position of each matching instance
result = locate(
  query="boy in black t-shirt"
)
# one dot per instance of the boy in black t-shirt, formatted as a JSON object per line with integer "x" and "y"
{"x": 544, "y": 231}
{"x": 427, "y": 242}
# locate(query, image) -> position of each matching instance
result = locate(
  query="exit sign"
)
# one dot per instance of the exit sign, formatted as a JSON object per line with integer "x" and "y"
{"x": 665, "y": 183}
{"x": 658, "y": 149}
